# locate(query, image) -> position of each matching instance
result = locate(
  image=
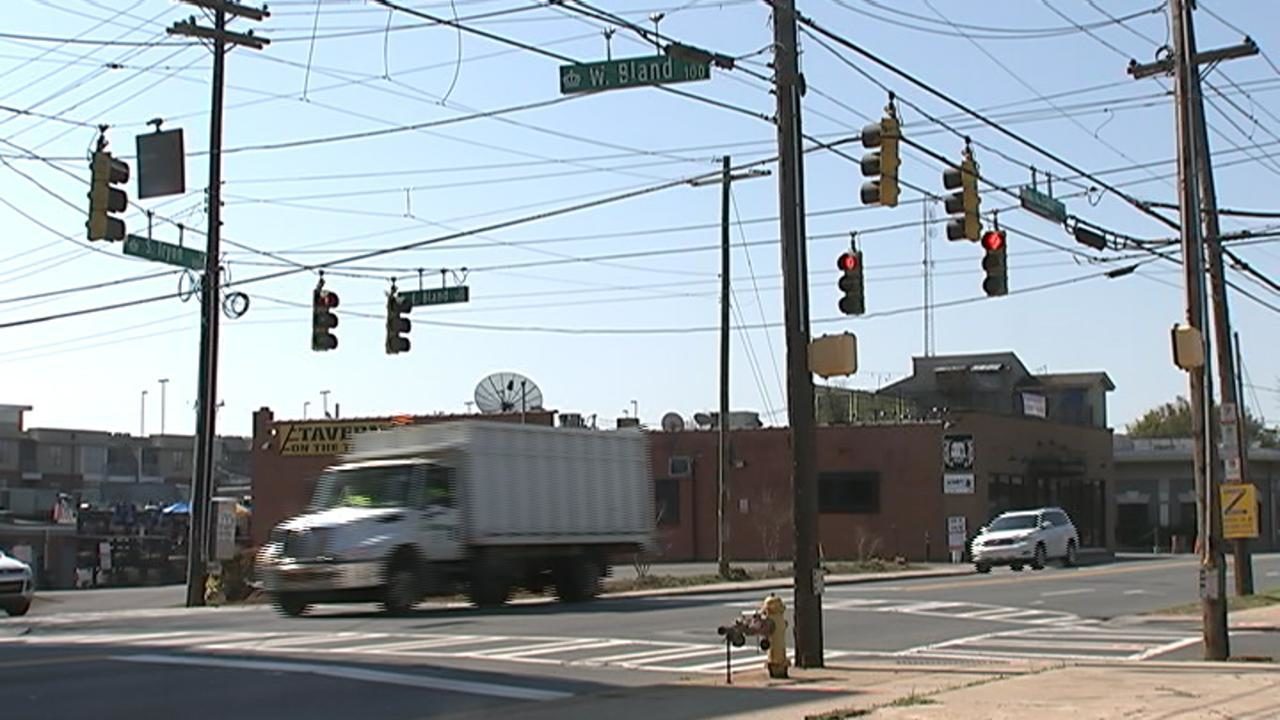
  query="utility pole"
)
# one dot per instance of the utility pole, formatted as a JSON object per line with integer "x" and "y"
{"x": 1195, "y": 182}
{"x": 808, "y": 604}
{"x": 1212, "y": 572}
{"x": 210, "y": 295}
{"x": 1235, "y": 444}
{"x": 726, "y": 180}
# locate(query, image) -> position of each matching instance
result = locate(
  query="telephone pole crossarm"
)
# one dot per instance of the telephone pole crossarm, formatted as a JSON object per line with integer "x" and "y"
{"x": 1164, "y": 66}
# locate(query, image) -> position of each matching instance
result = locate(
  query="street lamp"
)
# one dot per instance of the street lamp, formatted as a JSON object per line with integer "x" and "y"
{"x": 142, "y": 416}
{"x": 305, "y": 407}
{"x": 163, "y": 401}
{"x": 325, "y": 394}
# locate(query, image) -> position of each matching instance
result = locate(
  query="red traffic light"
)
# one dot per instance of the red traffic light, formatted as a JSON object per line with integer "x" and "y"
{"x": 327, "y": 299}
{"x": 993, "y": 240}
{"x": 847, "y": 262}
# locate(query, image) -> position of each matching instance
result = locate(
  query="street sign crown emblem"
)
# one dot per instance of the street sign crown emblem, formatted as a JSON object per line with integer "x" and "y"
{"x": 572, "y": 78}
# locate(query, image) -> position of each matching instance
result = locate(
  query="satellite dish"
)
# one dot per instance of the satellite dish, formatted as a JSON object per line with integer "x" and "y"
{"x": 672, "y": 422}
{"x": 506, "y": 392}
{"x": 703, "y": 419}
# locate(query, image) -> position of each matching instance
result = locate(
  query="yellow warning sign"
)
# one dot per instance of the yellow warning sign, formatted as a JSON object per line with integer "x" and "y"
{"x": 321, "y": 437}
{"x": 1239, "y": 511}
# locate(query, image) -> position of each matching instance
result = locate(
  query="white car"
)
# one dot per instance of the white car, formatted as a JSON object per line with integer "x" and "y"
{"x": 1026, "y": 537}
{"x": 17, "y": 586}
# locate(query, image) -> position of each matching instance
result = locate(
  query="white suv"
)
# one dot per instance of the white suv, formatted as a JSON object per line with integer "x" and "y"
{"x": 1026, "y": 537}
{"x": 16, "y": 585}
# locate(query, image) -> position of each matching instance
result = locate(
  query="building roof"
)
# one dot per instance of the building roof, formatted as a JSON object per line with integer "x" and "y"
{"x": 1077, "y": 379}
{"x": 1131, "y": 450}
{"x": 925, "y": 367}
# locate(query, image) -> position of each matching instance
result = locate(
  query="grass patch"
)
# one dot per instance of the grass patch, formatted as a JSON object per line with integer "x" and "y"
{"x": 912, "y": 700}
{"x": 1235, "y": 602}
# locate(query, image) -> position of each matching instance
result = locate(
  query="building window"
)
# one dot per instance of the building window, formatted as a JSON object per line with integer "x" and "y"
{"x": 666, "y": 497}
{"x": 679, "y": 466}
{"x": 849, "y": 492}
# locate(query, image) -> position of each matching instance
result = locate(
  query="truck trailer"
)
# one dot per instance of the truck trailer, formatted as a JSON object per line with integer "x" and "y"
{"x": 472, "y": 506}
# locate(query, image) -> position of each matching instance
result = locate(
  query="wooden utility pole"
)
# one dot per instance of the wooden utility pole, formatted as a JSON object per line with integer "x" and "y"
{"x": 1212, "y": 571}
{"x": 795, "y": 290}
{"x": 726, "y": 180}
{"x": 1235, "y": 443}
{"x": 210, "y": 296}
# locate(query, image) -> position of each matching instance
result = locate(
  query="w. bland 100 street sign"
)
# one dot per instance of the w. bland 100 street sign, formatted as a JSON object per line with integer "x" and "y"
{"x": 630, "y": 72}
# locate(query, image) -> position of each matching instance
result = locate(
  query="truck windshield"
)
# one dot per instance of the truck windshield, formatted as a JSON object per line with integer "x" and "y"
{"x": 370, "y": 487}
{"x": 1013, "y": 522}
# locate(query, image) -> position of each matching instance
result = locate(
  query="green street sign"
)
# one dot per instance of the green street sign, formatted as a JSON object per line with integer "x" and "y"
{"x": 630, "y": 72}
{"x": 437, "y": 296}
{"x": 164, "y": 252}
{"x": 1046, "y": 206}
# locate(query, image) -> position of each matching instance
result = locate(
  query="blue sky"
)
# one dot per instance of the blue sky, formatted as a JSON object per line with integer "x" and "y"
{"x": 541, "y": 292}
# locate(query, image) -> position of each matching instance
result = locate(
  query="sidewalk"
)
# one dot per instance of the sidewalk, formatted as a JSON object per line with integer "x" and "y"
{"x": 995, "y": 691}
{"x": 1260, "y": 618}
{"x": 929, "y": 571}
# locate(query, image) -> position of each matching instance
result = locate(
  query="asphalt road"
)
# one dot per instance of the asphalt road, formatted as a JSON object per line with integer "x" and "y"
{"x": 444, "y": 660}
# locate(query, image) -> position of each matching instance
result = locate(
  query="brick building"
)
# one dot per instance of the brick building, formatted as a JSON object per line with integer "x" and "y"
{"x": 883, "y": 488}
{"x": 964, "y": 437}
{"x": 289, "y": 455}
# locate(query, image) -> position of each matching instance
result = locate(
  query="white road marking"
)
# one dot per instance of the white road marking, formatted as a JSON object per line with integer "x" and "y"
{"x": 1076, "y": 591}
{"x": 425, "y": 682}
{"x": 1168, "y": 648}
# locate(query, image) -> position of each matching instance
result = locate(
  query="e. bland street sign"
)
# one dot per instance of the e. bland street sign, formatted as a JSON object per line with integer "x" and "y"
{"x": 630, "y": 72}
{"x": 437, "y": 296}
{"x": 163, "y": 252}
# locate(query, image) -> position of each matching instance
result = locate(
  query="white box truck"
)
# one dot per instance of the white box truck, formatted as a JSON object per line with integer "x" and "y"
{"x": 477, "y": 506}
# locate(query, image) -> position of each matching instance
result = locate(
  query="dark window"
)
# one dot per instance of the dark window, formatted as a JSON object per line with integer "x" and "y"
{"x": 678, "y": 466}
{"x": 1059, "y": 519}
{"x": 849, "y": 492}
{"x": 666, "y": 496}
{"x": 439, "y": 486}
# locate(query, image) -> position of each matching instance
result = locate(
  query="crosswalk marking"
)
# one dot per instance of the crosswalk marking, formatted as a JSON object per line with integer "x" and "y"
{"x": 1055, "y": 643}
{"x": 951, "y": 610}
{"x": 633, "y": 654}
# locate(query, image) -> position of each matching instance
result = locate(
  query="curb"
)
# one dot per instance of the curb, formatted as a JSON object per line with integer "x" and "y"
{"x": 776, "y": 583}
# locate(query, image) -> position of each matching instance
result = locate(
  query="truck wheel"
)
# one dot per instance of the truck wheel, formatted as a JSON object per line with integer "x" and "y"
{"x": 403, "y": 588}
{"x": 18, "y": 609}
{"x": 578, "y": 580}
{"x": 400, "y": 594}
{"x": 292, "y": 604}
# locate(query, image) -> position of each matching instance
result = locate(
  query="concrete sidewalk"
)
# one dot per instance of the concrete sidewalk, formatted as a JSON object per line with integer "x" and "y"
{"x": 994, "y": 691}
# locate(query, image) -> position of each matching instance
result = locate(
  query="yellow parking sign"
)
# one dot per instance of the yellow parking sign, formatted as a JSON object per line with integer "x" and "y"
{"x": 1239, "y": 511}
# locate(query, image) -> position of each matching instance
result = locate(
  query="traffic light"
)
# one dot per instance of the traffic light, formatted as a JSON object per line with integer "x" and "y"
{"x": 397, "y": 323}
{"x": 881, "y": 164}
{"x": 323, "y": 321}
{"x": 995, "y": 263}
{"x": 853, "y": 302}
{"x": 104, "y": 198}
{"x": 963, "y": 204}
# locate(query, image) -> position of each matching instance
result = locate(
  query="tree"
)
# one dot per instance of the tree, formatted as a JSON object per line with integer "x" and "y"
{"x": 1173, "y": 420}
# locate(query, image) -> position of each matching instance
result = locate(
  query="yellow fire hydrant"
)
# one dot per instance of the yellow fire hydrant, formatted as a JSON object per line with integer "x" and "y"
{"x": 774, "y": 612}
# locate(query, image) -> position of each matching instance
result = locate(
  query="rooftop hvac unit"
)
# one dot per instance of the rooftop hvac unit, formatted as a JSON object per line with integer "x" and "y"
{"x": 571, "y": 420}
{"x": 628, "y": 422}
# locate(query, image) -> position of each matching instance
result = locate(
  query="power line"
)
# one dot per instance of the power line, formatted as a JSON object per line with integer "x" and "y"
{"x": 94, "y": 286}
{"x": 1038, "y": 148}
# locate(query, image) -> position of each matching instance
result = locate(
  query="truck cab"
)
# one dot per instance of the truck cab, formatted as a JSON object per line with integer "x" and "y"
{"x": 369, "y": 533}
